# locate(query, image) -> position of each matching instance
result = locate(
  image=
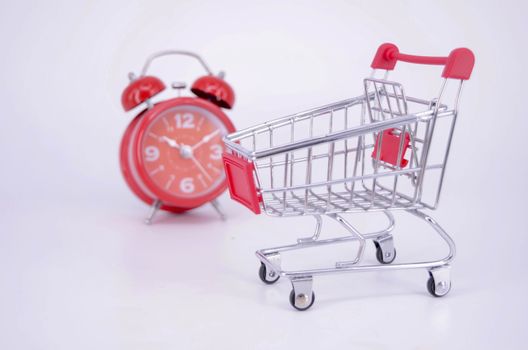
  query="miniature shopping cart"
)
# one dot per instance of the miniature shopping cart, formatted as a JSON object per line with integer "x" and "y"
{"x": 381, "y": 151}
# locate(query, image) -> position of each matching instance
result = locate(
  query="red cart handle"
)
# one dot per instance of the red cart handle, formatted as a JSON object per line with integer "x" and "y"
{"x": 458, "y": 65}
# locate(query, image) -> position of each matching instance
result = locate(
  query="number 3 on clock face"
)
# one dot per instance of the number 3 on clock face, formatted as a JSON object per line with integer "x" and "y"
{"x": 216, "y": 151}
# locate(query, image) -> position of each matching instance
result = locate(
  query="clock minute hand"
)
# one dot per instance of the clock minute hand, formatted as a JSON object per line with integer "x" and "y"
{"x": 206, "y": 139}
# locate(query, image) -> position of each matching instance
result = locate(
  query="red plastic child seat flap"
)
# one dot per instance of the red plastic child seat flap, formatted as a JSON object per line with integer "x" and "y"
{"x": 390, "y": 144}
{"x": 239, "y": 173}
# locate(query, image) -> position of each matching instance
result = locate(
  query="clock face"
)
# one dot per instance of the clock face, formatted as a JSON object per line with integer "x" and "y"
{"x": 181, "y": 151}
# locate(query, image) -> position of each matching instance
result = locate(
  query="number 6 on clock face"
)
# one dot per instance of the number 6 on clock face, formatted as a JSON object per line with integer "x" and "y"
{"x": 187, "y": 185}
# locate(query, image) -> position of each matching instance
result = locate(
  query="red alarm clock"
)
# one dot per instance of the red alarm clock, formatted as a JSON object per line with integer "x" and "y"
{"x": 171, "y": 152}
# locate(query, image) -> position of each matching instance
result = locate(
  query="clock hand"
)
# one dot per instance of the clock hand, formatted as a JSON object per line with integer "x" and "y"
{"x": 201, "y": 168}
{"x": 170, "y": 142}
{"x": 206, "y": 139}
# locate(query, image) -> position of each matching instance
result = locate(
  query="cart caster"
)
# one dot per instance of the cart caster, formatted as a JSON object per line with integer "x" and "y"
{"x": 439, "y": 283}
{"x": 301, "y": 301}
{"x": 302, "y": 296}
{"x": 385, "y": 251}
{"x": 268, "y": 277}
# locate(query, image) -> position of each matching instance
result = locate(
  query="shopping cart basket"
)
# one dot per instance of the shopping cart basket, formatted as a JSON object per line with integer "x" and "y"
{"x": 370, "y": 153}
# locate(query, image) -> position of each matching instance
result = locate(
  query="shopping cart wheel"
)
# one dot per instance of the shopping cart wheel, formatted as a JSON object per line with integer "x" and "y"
{"x": 301, "y": 301}
{"x": 438, "y": 285}
{"x": 384, "y": 255}
{"x": 268, "y": 277}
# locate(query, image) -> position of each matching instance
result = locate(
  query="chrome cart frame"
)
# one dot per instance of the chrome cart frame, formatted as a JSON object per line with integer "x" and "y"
{"x": 364, "y": 154}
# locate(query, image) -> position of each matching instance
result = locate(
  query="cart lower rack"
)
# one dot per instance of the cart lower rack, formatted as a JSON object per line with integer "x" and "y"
{"x": 374, "y": 152}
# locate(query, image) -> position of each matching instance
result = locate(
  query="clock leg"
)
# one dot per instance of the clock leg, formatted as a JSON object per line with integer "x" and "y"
{"x": 153, "y": 209}
{"x": 218, "y": 208}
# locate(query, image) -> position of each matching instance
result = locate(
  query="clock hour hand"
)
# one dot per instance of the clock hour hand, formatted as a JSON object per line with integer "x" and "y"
{"x": 171, "y": 142}
{"x": 206, "y": 139}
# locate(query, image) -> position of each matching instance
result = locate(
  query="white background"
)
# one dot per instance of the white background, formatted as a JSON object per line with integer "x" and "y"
{"x": 79, "y": 270}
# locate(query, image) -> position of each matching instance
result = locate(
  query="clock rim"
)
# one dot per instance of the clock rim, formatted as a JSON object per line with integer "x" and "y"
{"x": 126, "y": 168}
{"x": 149, "y": 116}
